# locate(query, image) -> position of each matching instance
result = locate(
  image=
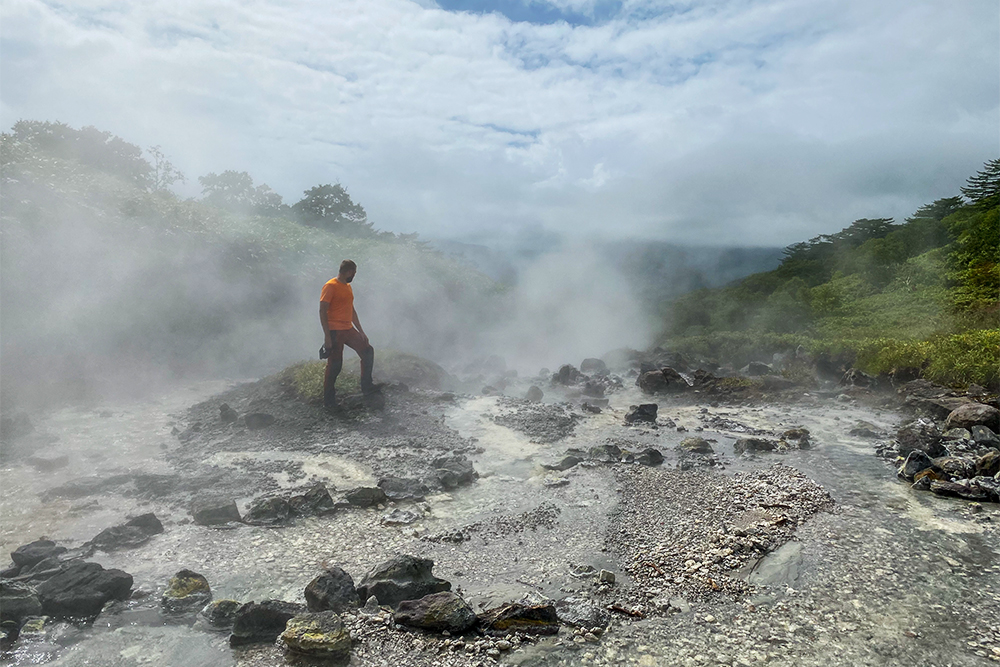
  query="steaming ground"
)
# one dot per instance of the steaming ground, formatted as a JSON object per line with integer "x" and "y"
{"x": 856, "y": 570}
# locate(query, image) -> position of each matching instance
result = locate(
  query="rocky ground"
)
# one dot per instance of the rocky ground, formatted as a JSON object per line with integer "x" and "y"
{"x": 738, "y": 520}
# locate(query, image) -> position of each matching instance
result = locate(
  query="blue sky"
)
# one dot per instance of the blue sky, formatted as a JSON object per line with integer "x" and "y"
{"x": 759, "y": 122}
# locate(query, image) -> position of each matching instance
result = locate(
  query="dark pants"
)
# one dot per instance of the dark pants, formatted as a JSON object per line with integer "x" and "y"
{"x": 335, "y": 362}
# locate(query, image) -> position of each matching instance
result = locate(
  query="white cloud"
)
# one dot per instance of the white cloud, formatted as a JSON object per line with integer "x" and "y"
{"x": 722, "y": 121}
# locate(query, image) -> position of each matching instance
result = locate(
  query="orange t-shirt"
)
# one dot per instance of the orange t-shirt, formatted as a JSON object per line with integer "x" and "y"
{"x": 340, "y": 296}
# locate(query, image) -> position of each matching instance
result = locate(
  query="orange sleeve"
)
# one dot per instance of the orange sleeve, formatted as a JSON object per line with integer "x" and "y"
{"x": 327, "y": 293}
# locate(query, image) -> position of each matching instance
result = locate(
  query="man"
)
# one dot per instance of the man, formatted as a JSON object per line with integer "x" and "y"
{"x": 341, "y": 327}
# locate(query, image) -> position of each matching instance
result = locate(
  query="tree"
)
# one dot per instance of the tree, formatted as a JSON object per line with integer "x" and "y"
{"x": 234, "y": 191}
{"x": 164, "y": 174}
{"x": 329, "y": 207}
{"x": 983, "y": 189}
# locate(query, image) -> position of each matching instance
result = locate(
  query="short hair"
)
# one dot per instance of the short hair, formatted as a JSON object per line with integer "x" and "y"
{"x": 348, "y": 265}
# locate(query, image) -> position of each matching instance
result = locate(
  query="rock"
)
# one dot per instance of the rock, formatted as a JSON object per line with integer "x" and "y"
{"x": 864, "y": 429}
{"x": 320, "y": 634}
{"x": 18, "y": 601}
{"x": 922, "y": 483}
{"x": 436, "y": 612}
{"x": 921, "y": 435}
{"x": 331, "y": 591}
{"x": 588, "y": 406}
{"x": 221, "y": 614}
{"x": 956, "y": 434}
{"x": 401, "y": 488}
{"x": 554, "y": 481}
{"x": 582, "y": 613}
{"x": 956, "y": 490}
{"x": 754, "y": 445}
{"x": 317, "y": 501}
{"x": 516, "y": 617}
{"x": 366, "y": 496}
{"x": 696, "y": 445}
{"x": 954, "y": 466}
{"x": 649, "y": 457}
{"x": 916, "y": 461}
{"x": 989, "y": 485}
{"x": 401, "y": 578}
{"x": 605, "y": 453}
{"x": 800, "y": 436}
{"x": 455, "y": 471}
{"x": 593, "y": 366}
{"x": 212, "y": 511}
{"x": 855, "y": 378}
{"x": 988, "y": 464}
{"x": 48, "y": 463}
{"x": 606, "y": 577}
{"x": 534, "y": 394}
{"x": 82, "y": 589}
{"x": 663, "y": 381}
{"x": 974, "y": 414}
{"x": 227, "y": 414}
{"x": 566, "y": 375}
{"x": 985, "y": 437}
{"x": 120, "y": 537}
{"x": 593, "y": 389}
{"x": 258, "y": 420}
{"x": 43, "y": 569}
{"x": 147, "y": 522}
{"x": 936, "y": 408}
{"x": 756, "y": 368}
{"x": 35, "y": 552}
{"x": 270, "y": 511}
{"x": 262, "y": 623}
{"x": 490, "y": 390}
{"x": 565, "y": 463}
{"x": 186, "y": 591}
{"x": 399, "y": 517}
{"x": 646, "y": 412}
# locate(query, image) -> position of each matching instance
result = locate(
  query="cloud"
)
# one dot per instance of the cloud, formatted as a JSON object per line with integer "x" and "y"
{"x": 727, "y": 121}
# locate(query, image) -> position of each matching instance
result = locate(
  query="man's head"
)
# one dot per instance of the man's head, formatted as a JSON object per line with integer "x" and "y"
{"x": 347, "y": 270}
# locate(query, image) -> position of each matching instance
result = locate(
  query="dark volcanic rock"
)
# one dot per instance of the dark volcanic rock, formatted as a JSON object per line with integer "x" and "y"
{"x": 35, "y": 552}
{"x": 271, "y": 511}
{"x": 645, "y": 412}
{"x": 317, "y": 501}
{"x": 319, "y": 635}
{"x": 582, "y": 613}
{"x": 937, "y": 408}
{"x": 263, "y": 622}
{"x": 916, "y": 461}
{"x": 649, "y": 457}
{"x": 534, "y": 394}
{"x": 754, "y": 445}
{"x": 186, "y": 591}
{"x": 258, "y": 420}
{"x": 755, "y": 369}
{"x": 955, "y": 466}
{"x": 82, "y": 589}
{"x": 957, "y": 490}
{"x": 401, "y": 488}
{"x": 147, "y": 522}
{"x": 696, "y": 445}
{"x": 988, "y": 464}
{"x": 438, "y": 611}
{"x": 567, "y": 375}
{"x": 565, "y": 463}
{"x": 331, "y": 591}
{"x": 227, "y": 414}
{"x": 221, "y": 613}
{"x": 594, "y": 366}
{"x": 516, "y": 617}
{"x": 210, "y": 511}
{"x": 985, "y": 437}
{"x": 48, "y": 463}
{"x": 18, "y": 601}
{"x": 366, "y": 496}
{"x": 605, "y": 453}
{"x": 855, "y": 378}
{"x": 401, "y": 578}
{"x": 921, "y": 435}
{"x": 455, "y": 471}
{"x": 989, "y": 485}
{"x": 663, "y": 381}
{"x": 974, "y": 414}
{"x": 120, "y": 537}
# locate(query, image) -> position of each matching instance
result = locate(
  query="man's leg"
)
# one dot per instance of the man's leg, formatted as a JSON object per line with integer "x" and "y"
{"x": 354, "y": 341}
{"x": 334, "y": 363}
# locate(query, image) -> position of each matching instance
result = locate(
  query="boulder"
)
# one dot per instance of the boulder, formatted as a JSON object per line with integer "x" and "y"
{"x": 754, "y": 445}
{"x": 317, "y": 501}
{"x": 186, "y": 591}
{"x": 148, "y": 522}
{"x": 436, "y": 612}
{"x": 227, "y": 414}
{"x": 956, "y": 434}
{"x": 593, "y": 389}
{"x": 35, "y": 552}
{"x": 663, "y": 381}
{"x": 18, "y": 601}
{"x": 921, "y": 435}
{"x": 82, "y": 589}
{"x": 985, "y": 437}
{"x": 989, "y": 485}
{"x": 209, "y": 511}
{"x": 974, "y": 414}
{"x": 649, "y": 457}
{"x": 454, "y": 471}
{"x": 696, "y": 445}
{"x": 401, "y": 488}
{"x": 605, "y": 453}
{"x": 534, "y": 394}
{"x": 539, "y": 619}
{"x": 366, "y": 496}
{"x": 863, "y": 429}
{"x": 936, "y": 408}
{"x": 800, "y": 436}
{"x": 44, "y": 463}
{"x": 582, "y": 613}
{"x": 331, "y": 591}
{"x": 645, "y": 412}
{"x": 270, "y": 511}
{"x": 319, "y": 635}
{"x": 221, "y": 614}
{"x": 401, "y": 578}
{"x": 565, "y": 463}
{"x": 988, "y": 465}
{"x": 257, "y": 623}
{"x": 594, "y": 366}
{"x": 955, "y": 467}
{"x": 566, "y": 375}
{"x": 399, "y": 517}
{"x": 855, "y": 378}
{"x": 120, "y": 537}
{"x": 755, "y": 369}
{"x": 916, "y": 461}
{"x": 958, "y": 490}
{"x": 258, "y": 420}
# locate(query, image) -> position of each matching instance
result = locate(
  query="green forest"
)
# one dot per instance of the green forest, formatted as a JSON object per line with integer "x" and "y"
{"x": 917, "y": 298}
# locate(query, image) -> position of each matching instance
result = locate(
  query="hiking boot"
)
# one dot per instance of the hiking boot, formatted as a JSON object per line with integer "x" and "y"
{"x": 372, "y": 389}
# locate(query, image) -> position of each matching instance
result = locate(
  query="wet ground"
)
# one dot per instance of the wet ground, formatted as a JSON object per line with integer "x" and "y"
{"x": 858, "y": 569}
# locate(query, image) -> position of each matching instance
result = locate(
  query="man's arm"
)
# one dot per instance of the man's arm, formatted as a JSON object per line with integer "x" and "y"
{"x": 357, "y": 325}
{"x": 323, "y": 308}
